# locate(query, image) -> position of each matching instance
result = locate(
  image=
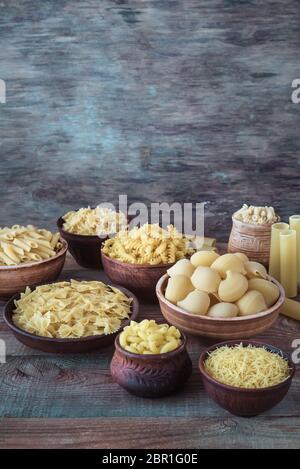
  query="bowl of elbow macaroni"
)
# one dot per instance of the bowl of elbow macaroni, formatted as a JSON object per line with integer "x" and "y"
{"x": 28, "y": 256}
{"x": 86, "y": 229}
{"x": 151, "y": 359}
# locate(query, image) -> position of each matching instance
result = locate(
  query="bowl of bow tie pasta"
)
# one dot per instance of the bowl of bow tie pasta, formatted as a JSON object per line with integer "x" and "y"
{"x": 151, "y": 359}
{"x": 29, "y": 255}
{"x": 136, "y": 258}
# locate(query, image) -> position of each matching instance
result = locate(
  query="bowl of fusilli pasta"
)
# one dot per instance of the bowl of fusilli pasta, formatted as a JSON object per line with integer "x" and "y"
{"x": 138, "y": 257}
{"x": 28, "y": 256}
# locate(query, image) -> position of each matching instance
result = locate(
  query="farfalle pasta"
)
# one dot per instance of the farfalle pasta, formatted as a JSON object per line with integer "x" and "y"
{"x": 23, "y": 244}
{"x": 149, "y": 244}
{"x": 94, "y": 221}
{"x": 71, "y": 309}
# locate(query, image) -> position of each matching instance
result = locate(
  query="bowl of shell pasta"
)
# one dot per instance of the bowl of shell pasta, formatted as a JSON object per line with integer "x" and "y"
{"x": 222, "y": 297}
{"x": 28, "y": 256}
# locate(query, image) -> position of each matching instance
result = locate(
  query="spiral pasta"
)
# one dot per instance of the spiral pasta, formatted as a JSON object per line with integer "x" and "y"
{"x": 149, "y": 244}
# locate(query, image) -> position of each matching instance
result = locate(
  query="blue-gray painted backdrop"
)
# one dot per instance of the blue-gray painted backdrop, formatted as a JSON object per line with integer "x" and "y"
{"x": 163, "y": 100}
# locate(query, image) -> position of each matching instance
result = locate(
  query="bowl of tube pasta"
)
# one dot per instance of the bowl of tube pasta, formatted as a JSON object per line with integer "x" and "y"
{"x": 28, "y": 256}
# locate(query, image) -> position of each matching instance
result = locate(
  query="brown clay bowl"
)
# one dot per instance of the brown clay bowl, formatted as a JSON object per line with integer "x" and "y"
{"x": 139, "y": 278}
{"x": 85, "y": 249}
{"x": 14, "y": 278}
{"x": 151, "y": 375}
{"x": 218, "y": 328}
{"x": 252, "y": 240}
{"x": 81, "y": 345}
{"x": 240, "y": 401}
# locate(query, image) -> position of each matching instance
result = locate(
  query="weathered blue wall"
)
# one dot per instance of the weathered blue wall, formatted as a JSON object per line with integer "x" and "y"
{"x": 162, "y": 100}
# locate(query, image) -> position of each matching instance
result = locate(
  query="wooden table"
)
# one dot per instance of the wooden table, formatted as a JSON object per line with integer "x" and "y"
{"x": 71, "y": 401}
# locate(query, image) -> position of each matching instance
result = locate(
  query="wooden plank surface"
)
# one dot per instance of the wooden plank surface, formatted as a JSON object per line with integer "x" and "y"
{"x": 162, "y": 100}
{"x": 42, "y": 394}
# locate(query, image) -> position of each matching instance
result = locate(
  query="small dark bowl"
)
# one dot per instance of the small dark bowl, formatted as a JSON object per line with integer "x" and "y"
{"x": 151, "y": 375}
{"x": 85, "y": 249}
{"x": 80, "y": 345}
{"x": 139, "y": 278}
{"x": 241, "y": 401}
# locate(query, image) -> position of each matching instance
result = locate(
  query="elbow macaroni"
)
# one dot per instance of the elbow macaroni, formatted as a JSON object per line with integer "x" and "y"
{"x": 23, "y": 244}
{"x": 148, "y": 337}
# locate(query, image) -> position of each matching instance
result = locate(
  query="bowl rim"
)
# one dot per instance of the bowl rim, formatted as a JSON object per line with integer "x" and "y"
{"x": 262, "y": 314}
{"x": 254, "y": 225}
{"x": 136, "y": 266}
{"x": 82, "y": 237}
{"x": 152, "y": 356}
{"x": 256, "y": 343}
{"x": 27, "y": 265}
{"x": 8, "y": 311}
{"x": 79, "y": 237}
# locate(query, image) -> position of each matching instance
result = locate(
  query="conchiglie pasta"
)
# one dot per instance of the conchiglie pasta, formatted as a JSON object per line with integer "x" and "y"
{"x": 182, "y": 267}
{"x": 223, "y": 310}
{"x": 255, "y": 269}
{"x": 251, "y": 303}
{"x": 228, "y": 262}
{"x": 178, "y": 288}
{"x": 233, "y": 287}
{"x": 242, "y": 256}
{"x": 196, "y": 302}
{"x": 204, "y": 258}
{"x": 268, "y": 289}
{"x": 206, "y": 279}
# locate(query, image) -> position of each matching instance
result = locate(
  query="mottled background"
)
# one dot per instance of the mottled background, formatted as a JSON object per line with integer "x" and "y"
{"x": 162, "y": 100}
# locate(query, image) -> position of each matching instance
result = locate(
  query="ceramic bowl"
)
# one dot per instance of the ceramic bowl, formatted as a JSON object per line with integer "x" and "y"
{"x": 85, "y": 249}
{"x": 240, "y": 401}
{"x": 14, "y": 278}
{"x": 252, "y": 240}
{"x": 151, "y": 375}
{"x": 141, "y": 279}
{"x": 80, "y": 345}
{"x": 241, "y": 327}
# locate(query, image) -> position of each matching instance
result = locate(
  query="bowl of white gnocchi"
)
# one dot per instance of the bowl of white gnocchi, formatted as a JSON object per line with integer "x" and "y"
{"x": 220, "y": 296}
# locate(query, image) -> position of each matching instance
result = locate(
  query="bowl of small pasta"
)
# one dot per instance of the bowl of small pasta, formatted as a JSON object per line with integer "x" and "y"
{"x": 28, "y": 256}
{"x": 86, "y": 229}
{"x": 136, "y": 258}
{"x": 151, "y": 359}
{"x": 70, "y": 316}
